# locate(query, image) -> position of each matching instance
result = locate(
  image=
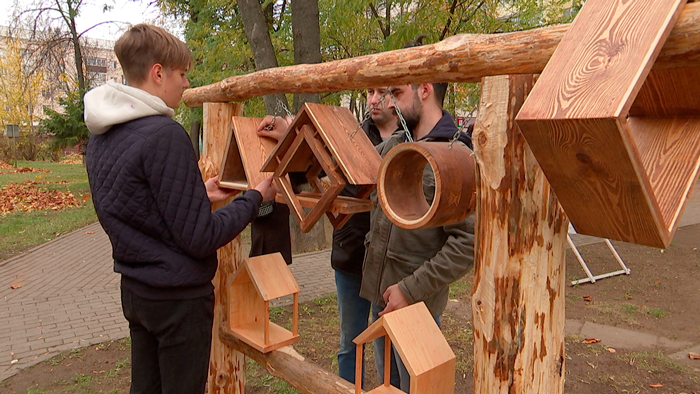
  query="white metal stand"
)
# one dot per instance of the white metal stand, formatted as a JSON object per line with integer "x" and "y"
{"x": 590, "y": 277}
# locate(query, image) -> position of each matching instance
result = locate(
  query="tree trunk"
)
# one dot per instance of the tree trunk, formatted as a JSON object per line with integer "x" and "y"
{"x": 226, "y": 366}
{"x": 307, "y": 50}
{"x": 258, "y": 34}
{"x": 307, "y": 42}
{"x": 518, "y": 297}
{"x": 460, "y": 58}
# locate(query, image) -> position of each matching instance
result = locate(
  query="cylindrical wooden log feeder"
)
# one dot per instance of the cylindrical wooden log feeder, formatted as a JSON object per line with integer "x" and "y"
{"x": 401, "y": 191}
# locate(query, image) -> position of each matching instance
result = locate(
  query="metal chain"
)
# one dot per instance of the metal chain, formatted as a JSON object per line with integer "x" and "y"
{"x": 409, "y": 137}
{"x": 459, "y": 131}
{"x": 282, "y": 108}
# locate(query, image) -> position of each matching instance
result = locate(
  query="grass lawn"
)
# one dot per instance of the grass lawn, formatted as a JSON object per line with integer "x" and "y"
{"x": 20, "y": 231}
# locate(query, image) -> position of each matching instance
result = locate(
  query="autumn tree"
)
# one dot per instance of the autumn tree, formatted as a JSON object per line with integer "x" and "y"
{"x": 21, "y": 83}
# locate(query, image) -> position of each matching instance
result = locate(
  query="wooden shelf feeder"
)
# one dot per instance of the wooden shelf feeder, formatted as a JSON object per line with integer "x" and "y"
{"x": 245, "y": 155}
{"x": 325, "y": 138}
{"x": 258, "y": 281}
{"x": 403, "y": 196}
{"x": 422, "y": 347}
{"x": 618, "y": 142}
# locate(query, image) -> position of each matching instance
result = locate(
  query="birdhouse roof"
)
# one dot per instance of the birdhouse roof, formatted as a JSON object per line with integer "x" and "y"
{"x": 415, "y": 335}
{"x": 270, "y": 276}
{"x": 356, "y": 156}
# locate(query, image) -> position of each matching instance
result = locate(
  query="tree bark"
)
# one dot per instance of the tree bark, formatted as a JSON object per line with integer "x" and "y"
{"x": 306, "y": 33}
{"x": 519, "y": 290}
{"x": 258, "y": 34}
{"x": 226, "y": 366}
{"x": 460, "y": 58}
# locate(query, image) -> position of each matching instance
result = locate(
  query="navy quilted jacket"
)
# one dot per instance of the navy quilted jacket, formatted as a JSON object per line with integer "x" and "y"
{"x": 152, "y": 203}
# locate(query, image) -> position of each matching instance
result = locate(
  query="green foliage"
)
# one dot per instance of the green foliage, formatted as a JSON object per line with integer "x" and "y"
{"x": 67, "y": 127}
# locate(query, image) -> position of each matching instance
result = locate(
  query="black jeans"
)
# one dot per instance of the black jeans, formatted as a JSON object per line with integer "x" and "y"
{"x": 170, "y": 343}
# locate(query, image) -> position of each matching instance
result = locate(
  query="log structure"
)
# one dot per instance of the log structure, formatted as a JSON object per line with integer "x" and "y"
{"x": 461, "y": 58}
{"x": 226, "y": 366}
{"x": 518, "y": 297}
{"x": 285, "y": 363}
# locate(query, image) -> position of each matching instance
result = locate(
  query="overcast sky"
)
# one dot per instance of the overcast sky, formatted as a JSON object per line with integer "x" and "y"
{"x": 91, "y": 13}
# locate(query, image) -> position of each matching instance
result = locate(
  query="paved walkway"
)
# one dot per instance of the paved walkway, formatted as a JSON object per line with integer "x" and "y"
{"x": 67, "y": 296}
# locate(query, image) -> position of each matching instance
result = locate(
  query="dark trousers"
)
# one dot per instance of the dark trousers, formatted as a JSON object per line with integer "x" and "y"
{"x": 170, "y": 343}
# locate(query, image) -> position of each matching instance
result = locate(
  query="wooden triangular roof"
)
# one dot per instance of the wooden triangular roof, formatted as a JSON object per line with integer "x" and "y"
{"x": 270, "y": 276}
{"x": 356, "y": 156}
{"x": 245, "y": 155}
{"x": 415, "y": 335}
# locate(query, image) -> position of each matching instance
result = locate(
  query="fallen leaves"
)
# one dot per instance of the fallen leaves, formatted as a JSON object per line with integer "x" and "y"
{"x": 28, "y": 196}
{"x": 587, "y": 298}
{"x": 656, "y": 385}
{"x": 21, "y": 170}
{"x": 694, "y": 356}
{"x": 591, "y": 340}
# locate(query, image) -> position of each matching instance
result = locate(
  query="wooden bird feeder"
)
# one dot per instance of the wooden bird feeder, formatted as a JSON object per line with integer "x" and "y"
{"x": 257, "y": 281}
{"x": 325, "y": 139}
{"x": 244, "y": 155}
{"x": 403, "y": 196}
{"x": 618, "y": 142}
{"x": 422, "y": 347}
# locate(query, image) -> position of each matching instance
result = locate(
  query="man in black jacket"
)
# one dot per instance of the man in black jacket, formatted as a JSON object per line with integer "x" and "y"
{"x": 349, "y": 245}
{"x": 153, "y": 205}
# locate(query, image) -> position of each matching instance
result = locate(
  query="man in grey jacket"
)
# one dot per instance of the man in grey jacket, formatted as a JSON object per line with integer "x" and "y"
{"x": 401, "y": 266}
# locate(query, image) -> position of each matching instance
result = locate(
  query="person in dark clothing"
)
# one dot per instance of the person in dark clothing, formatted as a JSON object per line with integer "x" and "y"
{"x": 403, "y": 267}
{"x": 349, "y": 246}
{"x": 152, "y": 203}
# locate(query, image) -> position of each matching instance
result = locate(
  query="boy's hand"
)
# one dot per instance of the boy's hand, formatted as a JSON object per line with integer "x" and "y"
{"x": 266, "y": 189}
{"x": 394, "y": 299}
{"x": 215, "y": 193}
{"x": 273, "y": 127}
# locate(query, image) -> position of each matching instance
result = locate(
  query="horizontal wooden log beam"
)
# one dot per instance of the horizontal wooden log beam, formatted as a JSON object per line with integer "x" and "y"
{"x": 460, "y": 58}
{"x": 288, "y": 365}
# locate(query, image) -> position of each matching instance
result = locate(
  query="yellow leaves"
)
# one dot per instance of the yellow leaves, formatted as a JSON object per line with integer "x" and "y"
{"x": 21, "y": 82}
{"x": 28, "y": 196}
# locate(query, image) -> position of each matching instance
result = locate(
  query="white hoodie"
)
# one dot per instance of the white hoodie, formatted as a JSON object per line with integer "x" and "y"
{"x": 114, "y": 103}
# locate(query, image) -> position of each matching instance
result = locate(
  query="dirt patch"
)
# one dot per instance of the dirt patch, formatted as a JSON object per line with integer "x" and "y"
{"x": 659, "y": 298}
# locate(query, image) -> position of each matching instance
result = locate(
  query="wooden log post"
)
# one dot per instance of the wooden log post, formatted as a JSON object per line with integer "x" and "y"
{"x": 518, "y": 297}
{"x": 226, "y": 366}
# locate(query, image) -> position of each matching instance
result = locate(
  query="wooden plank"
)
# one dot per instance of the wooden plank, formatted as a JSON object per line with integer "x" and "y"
{"x": 285, "y": 144}
{"x": 246, "y": 153}
{"x": 607, "y": 53}
{"x": 669, "y": 92}
{"x": 670, "y": 154}
{"x": 226, "y": 366}
{"x": 417, "y": 339}
{"x": 341, "y": 204}
{"x": 271, "y": 276}
{"x": 254, "y": 335}
{"x": 519, "y": 277}
{"x": 460, "y": 58}
{"x": 590, "y": 165}
{"x": 440, "y": 379}
{"x": 356, "y": 156}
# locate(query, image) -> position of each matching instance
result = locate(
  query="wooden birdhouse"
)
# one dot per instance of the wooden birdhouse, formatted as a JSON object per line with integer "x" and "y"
{"x": 325, "y": 139}
{"x": 618, "y": 141}
{"x": 256, "y": 282}
{"x": 244, "y": 155}
{"x": 422, "y": 347}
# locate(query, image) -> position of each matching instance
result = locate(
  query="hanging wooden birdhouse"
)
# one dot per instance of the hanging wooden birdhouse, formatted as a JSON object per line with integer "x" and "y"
{"x": 325, "y": 139}
{"x": 256, "y": 282}
{"x": 618, "y": 141}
